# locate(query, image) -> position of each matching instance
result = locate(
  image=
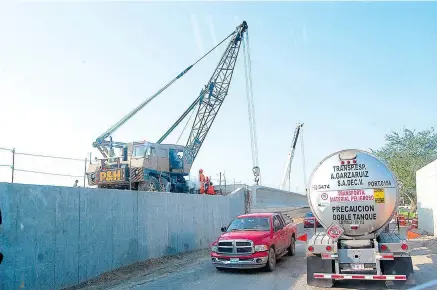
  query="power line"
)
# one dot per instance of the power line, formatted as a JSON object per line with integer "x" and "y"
{"x": 48, "y": 173}
{"x": 303, "y": 162}
{"x": 49, "y": 156}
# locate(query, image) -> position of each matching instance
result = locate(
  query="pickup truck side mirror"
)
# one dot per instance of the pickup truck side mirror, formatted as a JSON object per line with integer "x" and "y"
{"x": 223, "y": 229}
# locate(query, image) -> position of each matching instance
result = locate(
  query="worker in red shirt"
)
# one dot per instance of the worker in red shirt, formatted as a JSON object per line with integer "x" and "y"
{"x": 211, "y": 189}
{"x": 201, "y": 181}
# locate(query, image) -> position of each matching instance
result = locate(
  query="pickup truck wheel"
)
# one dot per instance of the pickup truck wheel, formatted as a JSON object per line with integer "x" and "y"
{"x": 271, "y": 263}
{"x": 292, "y": 248}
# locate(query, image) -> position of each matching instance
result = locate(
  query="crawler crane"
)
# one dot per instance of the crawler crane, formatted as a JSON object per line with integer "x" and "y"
{"x": 147, "y": 166}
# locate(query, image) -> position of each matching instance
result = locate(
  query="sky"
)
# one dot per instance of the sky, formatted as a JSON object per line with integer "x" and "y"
{"x": 351, "y": 72}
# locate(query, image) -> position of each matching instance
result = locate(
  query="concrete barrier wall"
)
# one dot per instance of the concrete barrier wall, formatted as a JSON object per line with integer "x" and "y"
{"x": 229, "y": 187}
{"x": 266, "y": 198}
{"x": 426, "y": 183}
{"x": 54, "y": 237}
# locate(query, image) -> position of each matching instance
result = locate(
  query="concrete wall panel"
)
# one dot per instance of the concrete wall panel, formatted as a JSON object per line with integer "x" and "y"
{"x": 266, "y": 197}
{"x": 55, "y": 237}
{"x": 426, "y": 183}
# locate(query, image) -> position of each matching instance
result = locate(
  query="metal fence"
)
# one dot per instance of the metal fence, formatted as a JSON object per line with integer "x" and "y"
{"x": 32, "y": 168}
{"x": 24, "y": 166}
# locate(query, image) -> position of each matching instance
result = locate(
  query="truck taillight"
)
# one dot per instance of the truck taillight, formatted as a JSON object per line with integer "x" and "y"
{"x": 311, "y": 248}
{"x": 329, "y": 248}
{"x": 384, "y": 248}
{"x": 404, "y": 247}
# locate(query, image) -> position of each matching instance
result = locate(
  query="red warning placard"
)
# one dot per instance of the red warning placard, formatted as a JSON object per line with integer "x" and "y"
{"x": 334, "y": 231}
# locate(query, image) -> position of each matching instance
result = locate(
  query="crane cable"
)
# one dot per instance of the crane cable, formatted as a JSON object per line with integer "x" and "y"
{"x": 303, "y": 163}
{"x": 143, "y": 104}
{"x": 186, "y": 124}
{"x": 251, "y": 107}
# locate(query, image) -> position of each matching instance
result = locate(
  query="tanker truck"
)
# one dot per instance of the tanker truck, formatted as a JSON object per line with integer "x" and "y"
{"x": 354, "y": 195}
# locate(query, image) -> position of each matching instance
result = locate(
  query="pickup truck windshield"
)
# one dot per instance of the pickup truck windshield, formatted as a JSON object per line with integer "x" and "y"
{"x": 250, "y": 224}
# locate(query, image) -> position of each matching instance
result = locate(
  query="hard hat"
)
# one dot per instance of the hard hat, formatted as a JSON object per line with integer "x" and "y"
{"x": 200, "y": 170}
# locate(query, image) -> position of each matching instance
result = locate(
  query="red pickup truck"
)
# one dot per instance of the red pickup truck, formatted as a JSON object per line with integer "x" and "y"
{"x": 254, "y": 240}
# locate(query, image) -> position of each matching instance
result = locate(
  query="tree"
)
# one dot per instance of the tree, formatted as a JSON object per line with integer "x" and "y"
{"x": 406, "y": 153}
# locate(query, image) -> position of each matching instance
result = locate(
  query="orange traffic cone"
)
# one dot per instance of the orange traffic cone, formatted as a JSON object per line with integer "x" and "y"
{"x": 412, "y": 234}
{"x": 303, "y": 238}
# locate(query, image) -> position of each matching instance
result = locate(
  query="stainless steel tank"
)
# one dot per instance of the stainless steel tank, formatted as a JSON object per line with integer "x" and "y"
{"x": 355, "y": 190}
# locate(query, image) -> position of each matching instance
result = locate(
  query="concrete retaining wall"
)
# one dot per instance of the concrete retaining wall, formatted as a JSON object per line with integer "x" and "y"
{"x": 426, "y": 184}
{"x": 265, "y": 198}
{"x": 54, "y": 237}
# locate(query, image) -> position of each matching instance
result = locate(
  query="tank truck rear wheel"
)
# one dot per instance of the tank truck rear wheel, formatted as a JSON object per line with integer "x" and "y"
{"x": 399, "y": 266}
{"x": 316, "y": 264}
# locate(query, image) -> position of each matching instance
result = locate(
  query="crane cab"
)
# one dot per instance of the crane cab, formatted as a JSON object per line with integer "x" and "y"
{"x": 143, "y": 166}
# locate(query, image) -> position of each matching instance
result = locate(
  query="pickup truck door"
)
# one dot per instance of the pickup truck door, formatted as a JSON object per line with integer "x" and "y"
{"x": 287, "y": 231}
{"x": 279, "y": 234}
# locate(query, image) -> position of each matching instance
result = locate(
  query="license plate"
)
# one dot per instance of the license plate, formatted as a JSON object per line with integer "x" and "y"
{"x": 357, "y": 266}
{"x": 234, "y": 260}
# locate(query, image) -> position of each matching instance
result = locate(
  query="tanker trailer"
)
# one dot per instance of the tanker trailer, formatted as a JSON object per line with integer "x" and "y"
{"x": 354, "y": 196}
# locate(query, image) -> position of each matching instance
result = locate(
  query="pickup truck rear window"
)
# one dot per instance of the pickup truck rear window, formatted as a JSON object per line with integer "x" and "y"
{"x": 250, "y": 224}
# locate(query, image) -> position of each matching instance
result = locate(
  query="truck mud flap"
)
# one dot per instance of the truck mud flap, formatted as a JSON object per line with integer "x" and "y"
{"x": 399, "y": 266}
{"x": 317, "y": 265}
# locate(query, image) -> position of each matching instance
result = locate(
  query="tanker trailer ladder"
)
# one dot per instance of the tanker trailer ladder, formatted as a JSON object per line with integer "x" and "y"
{"x": 354, "y": 196}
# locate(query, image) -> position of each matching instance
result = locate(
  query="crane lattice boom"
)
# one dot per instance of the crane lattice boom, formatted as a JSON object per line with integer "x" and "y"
{"x": 290, "y": 156}
{"x": 213, "y": 94}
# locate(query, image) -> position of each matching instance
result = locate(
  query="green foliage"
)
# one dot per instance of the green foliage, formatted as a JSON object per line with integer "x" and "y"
{"x": 405, "y": 153}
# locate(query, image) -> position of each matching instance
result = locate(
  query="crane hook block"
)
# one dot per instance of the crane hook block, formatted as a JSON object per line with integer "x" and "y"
{"x": 244, "y": 25}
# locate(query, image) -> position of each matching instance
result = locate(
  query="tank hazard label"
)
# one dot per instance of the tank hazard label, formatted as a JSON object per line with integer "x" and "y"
{"x": 353, "y": 195}
{"x": 378, "y": 194}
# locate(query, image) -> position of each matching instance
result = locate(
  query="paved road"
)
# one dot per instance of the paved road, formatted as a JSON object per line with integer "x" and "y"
{"x": 198, "y": 273}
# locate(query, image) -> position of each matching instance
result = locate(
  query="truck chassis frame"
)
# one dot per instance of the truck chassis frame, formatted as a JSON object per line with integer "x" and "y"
{"x": 383, "y": 258}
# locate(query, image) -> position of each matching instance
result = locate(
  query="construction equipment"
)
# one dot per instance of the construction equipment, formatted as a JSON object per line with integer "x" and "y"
{"x": 287, "y": 172}
{"x": 150, "y": 166}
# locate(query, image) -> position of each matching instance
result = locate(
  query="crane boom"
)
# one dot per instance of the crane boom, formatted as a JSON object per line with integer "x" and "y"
{"x": 101, "y": 143}
{"x": 213, "y": 94}
{"x": 291, "y": 155}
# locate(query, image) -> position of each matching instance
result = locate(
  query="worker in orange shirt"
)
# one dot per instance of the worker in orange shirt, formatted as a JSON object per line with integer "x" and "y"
{"x": 206, "y": 184}
{"x": 201, "y": 181}
{"x": 211, "y": 189}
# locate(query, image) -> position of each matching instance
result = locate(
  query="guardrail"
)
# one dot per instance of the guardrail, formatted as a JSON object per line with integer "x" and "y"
{"x": 12, "y": 164}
